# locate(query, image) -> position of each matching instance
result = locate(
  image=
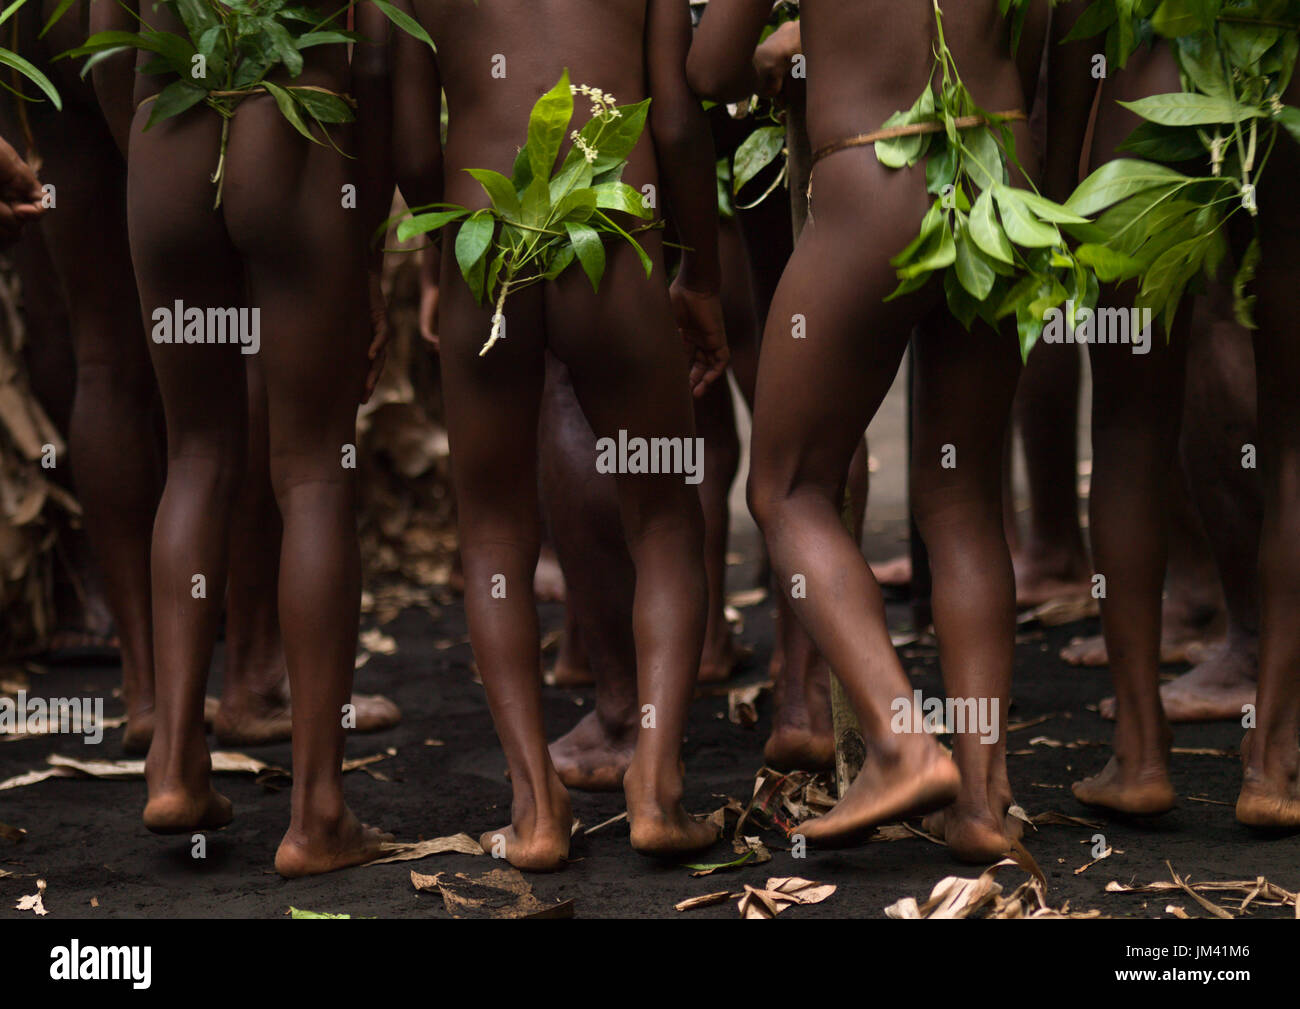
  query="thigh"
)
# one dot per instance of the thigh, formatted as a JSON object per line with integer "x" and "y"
{"x": 832, "y": 345}
{"x": 183, "y": 259}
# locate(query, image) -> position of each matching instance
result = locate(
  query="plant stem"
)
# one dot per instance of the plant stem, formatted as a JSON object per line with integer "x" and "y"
{"x": 498, "y": 320}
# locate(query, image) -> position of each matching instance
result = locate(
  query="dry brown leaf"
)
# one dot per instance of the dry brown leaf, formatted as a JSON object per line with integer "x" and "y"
{"x": 780, "y": 893}
{"x": 407, "y": 851}
{"x": 747, "y": 597}
{"x": 742, "y": 704}
{"x": 94, "y": 902}
{"x": 704, "y": 900}
{"x": 376, "y": 641}
{"x": 1088, "y": 865}
{"x": 1177, "y": 912}
{"x": 14, "y": 834}
{"x": 608, "y": 823}
{"x": 501, "y": 893}
{"x": 34, "y": 902}
{"x": 1051, "y": 818}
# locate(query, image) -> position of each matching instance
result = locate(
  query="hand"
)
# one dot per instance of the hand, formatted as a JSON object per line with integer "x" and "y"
{"x": 699, "y": 320}
{"x": 378, "y": 353}
{"x": 429, "y": 263}
{"x": 772, "y": 59}
{"x": 20, "y": 194}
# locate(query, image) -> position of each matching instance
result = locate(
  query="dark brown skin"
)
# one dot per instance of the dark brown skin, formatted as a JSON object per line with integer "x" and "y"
{"x": 20, "y": 194}
{"x": 815, "y": 398}
{"x": 627, "y": 370}
{"x": 281, "y": 242}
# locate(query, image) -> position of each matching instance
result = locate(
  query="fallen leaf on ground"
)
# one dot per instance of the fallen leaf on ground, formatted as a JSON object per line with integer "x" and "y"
{"x": 297, "y": 912}
{"x": 1258, "y": 890}
{"x": 742, "y": 704}
{"x": 1088, "y": 865}
{"x": 1177, "y": 912}
{"x": 14, "y": 834}
{"x": 709, "y": 868}
{"x": 1055, "y": 612}
{"x": 780, "y": 893}
{"x": 1051, "y": 818}
{"x": 94, "y": 902}
{"x": 34, "y": 902}
{"x": 377, "y": 642}
{"x": 746, "y": 598}
{"x": 408, "y": 851}
{"x": 704, "y": 900}
{"x": 501, "y": 893}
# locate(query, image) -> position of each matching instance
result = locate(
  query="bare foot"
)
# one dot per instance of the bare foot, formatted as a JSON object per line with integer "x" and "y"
{"x": 977, "y": 826}
{"x": 896, "y": 573}
{"x": 919, "y": 778}
{"x": 258, "y": 721}
{"x": 548, "y": 578}
{"x": 1215, "y": 691}
{"x": 660, "y": 826}
{"x": 721, "y": 657}
{"x": 572, "y": 668}
{"x": 593, "y": 757}
{"x": 178, "y": 811}
{"x": 1092, "y": 651}
{"x": 537, "y": 839}
{"x": 344, "y": 842}
{"x": 138, "y": 733}
{"x": 1268, "y": 799}
{"x": 1138, "y": 789}
{"x": 791, "y": 748}
{"x": 1043, "y": 576}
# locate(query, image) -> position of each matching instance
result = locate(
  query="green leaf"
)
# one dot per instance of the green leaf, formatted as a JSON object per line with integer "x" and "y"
{"x": 59, "y": 11}
{"x": 10, "y": 59}
{"x": 323, "y": 106}
{"x": 1189, "y": 109}
{"x": 499, "y": 190}
{"x": 472, "y": 243}
{"x": 986, "y": 232}
{"x": 620, "y": 196}
{"x": 1116, "y": 180}
{"x": 1154, "y": 142}
{"x": 547, "y": 124}
{"x": 589, "y": 250}
{"x": 405, "y": 22}
{"x": 1108, "y": 264}
{"x": 756, "y": 152}
{"x": 422, "y": 224}
{"x": 973, "y": 271}
{"x": 289, "y": 109}
{"x": 174, "y": 99}
{"x": 1021, "y": 226}
{"x": 282, "y": 43}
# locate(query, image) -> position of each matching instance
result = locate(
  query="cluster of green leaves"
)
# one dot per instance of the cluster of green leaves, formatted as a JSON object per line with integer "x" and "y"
{"x": 999, "y": 248}
{"x": 767, "y": 142}
{"x": 543, "y": 218}
{"x": 1125, "y": 23}
{"x": 229, "y": 50}
{"x": 1164, "y": 228}
{"x": 9, "y": 58}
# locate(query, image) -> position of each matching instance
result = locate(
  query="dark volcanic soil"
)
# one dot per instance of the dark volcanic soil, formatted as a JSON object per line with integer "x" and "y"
{"x": 84, "y": 837}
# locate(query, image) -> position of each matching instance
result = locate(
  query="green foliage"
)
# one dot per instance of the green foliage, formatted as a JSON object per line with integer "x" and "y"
{"x": 999, "y": 248}
{"x": 544, "y": 217}
{"x": 228, "y": 51}
{"x": 1164, "y": 228}
{"x": 11, "y": 59}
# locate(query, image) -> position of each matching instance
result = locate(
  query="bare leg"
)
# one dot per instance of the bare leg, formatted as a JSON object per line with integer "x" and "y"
{"x": 965, "y": 384}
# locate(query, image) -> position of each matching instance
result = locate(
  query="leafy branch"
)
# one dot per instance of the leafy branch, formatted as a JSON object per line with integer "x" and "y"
{"x": 542, "y": 218}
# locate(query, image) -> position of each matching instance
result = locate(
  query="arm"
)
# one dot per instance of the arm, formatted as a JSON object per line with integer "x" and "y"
{"x": 1071, "y": 90}
{"x": 114, "y": 77}
{"x": 684, "y": 149}
{"x": 721, "y": 63}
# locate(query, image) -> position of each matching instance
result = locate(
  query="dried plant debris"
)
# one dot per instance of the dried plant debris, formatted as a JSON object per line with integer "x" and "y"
{"x": 501, "y": 893}
{"x": 782, "y": 801}
{"x": 742, "y": 704}
{"x": 781, "y": 892}
{"x": 34, "y": 902}
{"x": 377, "y": 642}
{"x": 1066, "y": 610}
{"x": 408, "y": 851}
{"x": 957, "y": 897}
{"x": 704, "y": 900}
{"x": 607, "y": 823}
{"x": 297, "y": 912}
{"x": 1105, "y": 854}
{"x": 1258, "y": 891}
{"x": 15, "y": 834}
{"x": 745, "y": 598}
{"x": 223, "y": 762}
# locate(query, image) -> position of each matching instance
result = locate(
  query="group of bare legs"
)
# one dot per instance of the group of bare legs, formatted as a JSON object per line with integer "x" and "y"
{"x": 254, "y": 499}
